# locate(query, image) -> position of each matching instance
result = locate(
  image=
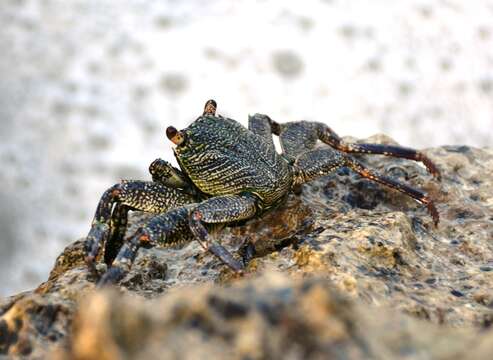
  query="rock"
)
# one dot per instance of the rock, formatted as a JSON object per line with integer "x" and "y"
{"x": 270, "y": 317}
{"x": 345, "y": 270}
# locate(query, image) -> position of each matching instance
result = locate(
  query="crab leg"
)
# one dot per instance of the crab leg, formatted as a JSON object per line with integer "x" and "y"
{"x": 168, "y": 229}
{"x": 262, "y": 126}
{"x": 331, "y": 138}
{"x": 184, "y": 224}
{"x": 140, "y": 195}
{"x": 118, "y": 227}
{"x": 221, "y": 209}
{"x": 301, "y": 136}
{"x": 319, "y": 162}
{"x": 297, "y": 138}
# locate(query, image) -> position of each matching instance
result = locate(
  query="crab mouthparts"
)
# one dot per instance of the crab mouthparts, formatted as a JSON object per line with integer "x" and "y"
{"x": 176, "y": 137}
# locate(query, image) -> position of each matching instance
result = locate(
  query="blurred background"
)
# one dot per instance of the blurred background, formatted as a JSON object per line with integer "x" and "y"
{"x": 87, "y": 88}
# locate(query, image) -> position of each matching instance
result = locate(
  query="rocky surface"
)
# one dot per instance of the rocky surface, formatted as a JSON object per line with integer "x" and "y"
{"x": 89, "y": 86}
{"x": 347, "y": 270}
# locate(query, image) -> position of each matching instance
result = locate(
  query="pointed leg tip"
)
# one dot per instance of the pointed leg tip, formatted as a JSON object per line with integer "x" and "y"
{"x": 237, "y": 267}
{"x": 92, "y": 244}
{"x": 111, "y": 277}
{"x": 434, "y": 213}
{"x": 89, "y": 260}
{"x": 436, "y": 174}
{"x": 226, "y": 257}
{"x": 92, "y": 266}
{"x": 431, "y": 167}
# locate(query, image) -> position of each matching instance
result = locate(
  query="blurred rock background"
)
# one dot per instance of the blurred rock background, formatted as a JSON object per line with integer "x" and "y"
{"x": 88, "y": 86}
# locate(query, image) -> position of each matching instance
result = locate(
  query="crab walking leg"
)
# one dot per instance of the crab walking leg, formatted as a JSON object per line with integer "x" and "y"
{"x": 221, "y": 209}
{"x": 182, "y": 225}
{"x": 300, "y": 136}
{"x": 392, "y": 150}
{"x": 419, "y": 196}
{"x": 139, "y": 195}
{"x": 168, "y": 229}
{"x": 328, "y": 136}
{"x": 121, "y": 265}
{"x": 297, "y": 137}
{"x": 262, "y": 126}
{"x": 320, "y": 162}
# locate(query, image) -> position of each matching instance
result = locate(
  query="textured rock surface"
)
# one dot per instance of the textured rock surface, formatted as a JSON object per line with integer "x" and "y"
{"x": 347, "y": 269}
{"x": 89, "y": 86}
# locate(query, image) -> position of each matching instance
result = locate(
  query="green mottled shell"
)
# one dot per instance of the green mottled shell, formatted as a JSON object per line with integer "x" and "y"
{"x": 221, "y": 157}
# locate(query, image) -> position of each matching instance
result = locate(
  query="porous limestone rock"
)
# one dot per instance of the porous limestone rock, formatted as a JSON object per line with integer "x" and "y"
{"x": 347, "y": 269}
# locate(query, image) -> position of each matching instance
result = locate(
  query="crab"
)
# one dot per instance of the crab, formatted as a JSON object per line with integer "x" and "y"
{"x": 228, "y": 174}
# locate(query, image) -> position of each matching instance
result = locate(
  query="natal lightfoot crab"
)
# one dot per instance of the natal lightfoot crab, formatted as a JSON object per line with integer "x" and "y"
{"x": 227, "y": 174}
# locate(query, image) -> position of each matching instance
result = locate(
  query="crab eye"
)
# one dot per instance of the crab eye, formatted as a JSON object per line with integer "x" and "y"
{"x": 210, "y": 108}
{"x": 176, "y": 137}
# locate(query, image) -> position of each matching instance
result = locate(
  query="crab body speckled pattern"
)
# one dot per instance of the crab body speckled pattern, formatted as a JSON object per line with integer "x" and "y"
{"x": 227, "y": 174}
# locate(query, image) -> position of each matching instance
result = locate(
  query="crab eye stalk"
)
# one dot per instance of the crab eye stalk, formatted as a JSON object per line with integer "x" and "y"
{"x": 176, "y": 137}
{"x": 210, "y": 108}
